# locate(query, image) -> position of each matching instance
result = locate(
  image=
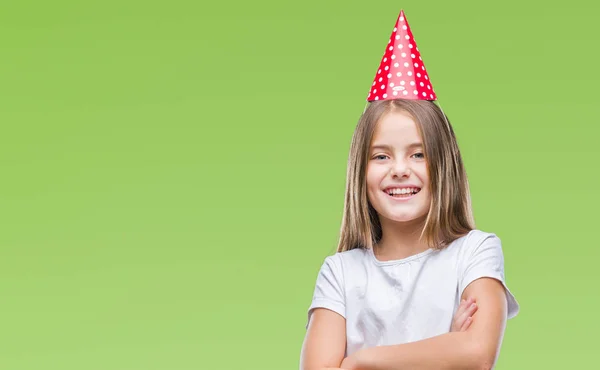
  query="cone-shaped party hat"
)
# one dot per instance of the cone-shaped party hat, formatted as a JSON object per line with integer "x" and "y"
{"x": 401, "y": 73}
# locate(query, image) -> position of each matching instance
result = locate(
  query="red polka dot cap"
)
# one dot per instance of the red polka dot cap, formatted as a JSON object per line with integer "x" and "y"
{"x": 401, "y": 73}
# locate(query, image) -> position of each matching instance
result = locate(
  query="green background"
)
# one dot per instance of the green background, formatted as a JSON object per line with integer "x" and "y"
{"x": 173, "y": 172}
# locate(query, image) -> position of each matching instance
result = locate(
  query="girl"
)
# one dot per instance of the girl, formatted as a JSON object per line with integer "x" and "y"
{"x": 408, "y": 255}
{"x": 413, "y": 285}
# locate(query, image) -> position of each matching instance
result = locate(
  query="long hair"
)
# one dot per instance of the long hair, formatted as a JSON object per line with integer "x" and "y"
{"x": 450, "y": 215}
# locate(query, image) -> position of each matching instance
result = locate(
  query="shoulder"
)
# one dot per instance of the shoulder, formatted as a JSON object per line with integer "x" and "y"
{"x": 477, "y": 235}
{"x": 345, "y": 263}
{"x": 346, "y": 259}
{"x": 480, "y": 253}
{"x": 474, "y": 240}
{"x": 338, "y": 272}
{"x": 476, "y": 245}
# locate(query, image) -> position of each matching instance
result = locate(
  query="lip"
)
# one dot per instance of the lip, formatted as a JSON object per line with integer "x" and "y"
{"x": 404, "y": 199}
{"x": 401, "y": 186}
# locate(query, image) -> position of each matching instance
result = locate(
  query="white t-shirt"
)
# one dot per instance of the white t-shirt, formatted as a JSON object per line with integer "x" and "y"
{"x": 400, "y": 301}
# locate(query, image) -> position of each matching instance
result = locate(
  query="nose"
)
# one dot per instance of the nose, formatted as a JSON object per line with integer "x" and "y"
{"x": 400, "y": 168}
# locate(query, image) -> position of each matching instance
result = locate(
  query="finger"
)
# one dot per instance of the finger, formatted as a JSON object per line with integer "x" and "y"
{"x": 465, "y": 303}
{"x": 464, "y": 310}
{"x": 466, "y": 324}
{"x": 459, "y": 313}
{"x": 461, "y": 308}
{"x": 469, "y": 311}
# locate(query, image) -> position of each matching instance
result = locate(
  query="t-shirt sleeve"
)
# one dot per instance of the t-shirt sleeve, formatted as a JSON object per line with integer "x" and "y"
{"x": 329, "y": 288}
{"x": 484, "y": 258}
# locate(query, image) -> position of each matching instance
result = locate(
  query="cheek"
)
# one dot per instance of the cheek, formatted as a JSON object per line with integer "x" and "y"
{"x": 423, "y": 174}
{"x": 370, "y": 176}
{"x": 374, "y": 176}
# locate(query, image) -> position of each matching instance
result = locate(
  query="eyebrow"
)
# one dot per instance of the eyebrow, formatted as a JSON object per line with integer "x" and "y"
{"x": 387, "y": 147}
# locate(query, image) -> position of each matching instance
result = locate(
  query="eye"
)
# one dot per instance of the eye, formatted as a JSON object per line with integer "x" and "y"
{"x": 380, "y": 156}
{"x": 419, "y": 155}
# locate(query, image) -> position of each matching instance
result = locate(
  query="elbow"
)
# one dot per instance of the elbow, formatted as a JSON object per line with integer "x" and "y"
{"x": 484, "y": 365}
{"x": 482, "y": 357}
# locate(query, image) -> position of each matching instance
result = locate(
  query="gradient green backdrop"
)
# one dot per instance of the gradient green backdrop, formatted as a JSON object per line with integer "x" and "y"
{"x": 173, "y": 173}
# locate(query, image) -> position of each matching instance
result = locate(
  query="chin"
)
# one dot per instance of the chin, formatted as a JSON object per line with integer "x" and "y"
{"x": 404, "y": 217}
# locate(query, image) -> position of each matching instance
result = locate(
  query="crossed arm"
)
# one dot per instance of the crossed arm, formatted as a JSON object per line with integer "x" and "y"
{"x": 476, "y": 348}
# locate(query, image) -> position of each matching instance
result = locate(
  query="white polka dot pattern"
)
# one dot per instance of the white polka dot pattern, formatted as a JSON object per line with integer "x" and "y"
{"x": 410, "y": 73}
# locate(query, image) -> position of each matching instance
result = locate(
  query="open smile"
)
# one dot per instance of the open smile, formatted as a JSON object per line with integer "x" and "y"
{"x": 402, "y": 193}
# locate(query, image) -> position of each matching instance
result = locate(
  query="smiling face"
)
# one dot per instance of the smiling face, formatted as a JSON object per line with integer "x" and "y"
{"x": 382, "y": 158}
{"x": 397, "y": 177}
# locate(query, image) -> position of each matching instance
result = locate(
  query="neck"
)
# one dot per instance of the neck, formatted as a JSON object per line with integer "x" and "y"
{"x": 400, "y": 239}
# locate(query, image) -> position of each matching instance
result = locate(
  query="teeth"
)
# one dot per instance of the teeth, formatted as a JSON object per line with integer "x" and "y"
{"x": 397, "y": 191}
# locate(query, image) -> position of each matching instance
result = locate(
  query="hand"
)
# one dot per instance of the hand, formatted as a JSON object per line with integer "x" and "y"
{"x": 464, "y": 315}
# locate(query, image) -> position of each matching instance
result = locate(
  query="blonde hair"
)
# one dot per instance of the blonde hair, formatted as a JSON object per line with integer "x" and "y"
{"x": 450, "y": 215}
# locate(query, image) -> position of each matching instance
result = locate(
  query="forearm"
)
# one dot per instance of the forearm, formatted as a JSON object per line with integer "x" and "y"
{"x": 449, "y": 351}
